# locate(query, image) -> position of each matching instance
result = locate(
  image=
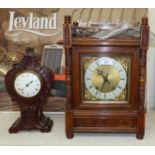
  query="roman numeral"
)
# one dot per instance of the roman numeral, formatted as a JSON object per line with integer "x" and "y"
{"x": 90, "y": 87}
{"x": 88, "y": 79}
{"x": 120, "y": 70}
{"x": 119, "y": 87}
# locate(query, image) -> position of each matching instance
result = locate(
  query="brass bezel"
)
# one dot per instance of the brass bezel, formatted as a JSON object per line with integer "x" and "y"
{"x": 31, "y": 71}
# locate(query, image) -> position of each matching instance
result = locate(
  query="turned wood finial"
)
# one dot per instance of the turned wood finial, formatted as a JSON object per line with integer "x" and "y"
{"x": 67, "y": 19}
{"x": 29, "y": 51}
{"x": 144, "y": 21}
{"x": 144, "y": 34}
{"x": 67, "y": 31}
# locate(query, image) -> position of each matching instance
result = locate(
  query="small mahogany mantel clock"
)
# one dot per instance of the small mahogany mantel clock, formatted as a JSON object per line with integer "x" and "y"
{"x": 28, "y": 84}
{"x": 105, "y": 82}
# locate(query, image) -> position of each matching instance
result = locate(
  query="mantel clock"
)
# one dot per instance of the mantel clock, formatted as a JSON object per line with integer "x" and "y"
{"x": 28, "y": 84}
{"x": 105, "y": 82}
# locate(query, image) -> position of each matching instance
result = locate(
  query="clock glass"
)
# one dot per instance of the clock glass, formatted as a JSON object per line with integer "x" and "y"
{"x": 105, "y": 79}
{"x": 27, "y": 84}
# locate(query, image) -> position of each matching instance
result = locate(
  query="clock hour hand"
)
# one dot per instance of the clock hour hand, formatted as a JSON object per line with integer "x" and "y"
{"x": 101, "y": 73}
{"x": 27, "y": 85}
{"x": 104, "y": 77}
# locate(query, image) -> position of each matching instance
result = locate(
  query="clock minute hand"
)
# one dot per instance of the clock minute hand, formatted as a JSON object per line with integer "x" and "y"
{"x": 106, "y": 78}
{"x": 100, "y": 72}
{"x": 102, "y": 85}
{"x": 29, "y": 83}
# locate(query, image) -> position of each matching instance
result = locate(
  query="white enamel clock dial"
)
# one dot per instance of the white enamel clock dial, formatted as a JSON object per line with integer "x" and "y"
{"x": 27, "y": 84}
{"x": 105, "y": 78}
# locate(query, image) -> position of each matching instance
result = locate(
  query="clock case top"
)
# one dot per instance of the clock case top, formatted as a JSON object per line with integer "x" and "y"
{"x": 83, "y": 117}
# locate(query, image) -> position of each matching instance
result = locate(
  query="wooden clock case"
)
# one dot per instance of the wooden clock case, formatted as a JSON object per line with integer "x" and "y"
{"x": 32, "y": 117}
{"x": 115, "y": 118}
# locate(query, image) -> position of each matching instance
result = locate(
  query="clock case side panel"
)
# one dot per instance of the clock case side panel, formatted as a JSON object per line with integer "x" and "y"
{"x": 144, "y": 41}
{"x": 131, "y": 52}
{"x": 67, "y": 41}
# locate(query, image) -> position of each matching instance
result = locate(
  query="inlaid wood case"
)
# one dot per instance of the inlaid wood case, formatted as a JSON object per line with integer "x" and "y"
{"x": 105, "y": 82}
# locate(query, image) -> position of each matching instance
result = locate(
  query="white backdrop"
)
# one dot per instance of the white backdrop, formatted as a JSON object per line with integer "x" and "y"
{"x": 150, "y": 86}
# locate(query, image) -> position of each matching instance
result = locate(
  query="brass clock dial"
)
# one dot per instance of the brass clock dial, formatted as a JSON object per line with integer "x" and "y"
{"x": 105, "y": 79}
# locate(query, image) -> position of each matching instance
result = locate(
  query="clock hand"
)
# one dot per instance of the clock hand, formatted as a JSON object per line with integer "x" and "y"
{"x": 106, "y": 79}
{"x": 27, "y": 85}
{"x": 102, "y": 86}
{"x": 100, "y": 72}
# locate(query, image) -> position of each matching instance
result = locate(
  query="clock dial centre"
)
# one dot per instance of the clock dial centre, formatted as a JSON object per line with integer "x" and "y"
{"x": 105, "y": 78}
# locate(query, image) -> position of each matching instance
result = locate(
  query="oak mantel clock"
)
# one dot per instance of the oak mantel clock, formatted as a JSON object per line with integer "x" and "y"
{"x": 105, "y": 82}
{"x": 28, "y": 84}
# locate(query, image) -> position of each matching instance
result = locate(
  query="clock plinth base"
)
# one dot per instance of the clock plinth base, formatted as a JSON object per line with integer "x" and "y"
{"x": 69, "y": 124}
{"x": 44, "y": 124}
{"x": 140, "y": 125}
{"x": 69, "y": 135}
{"x": 140, "y": 137}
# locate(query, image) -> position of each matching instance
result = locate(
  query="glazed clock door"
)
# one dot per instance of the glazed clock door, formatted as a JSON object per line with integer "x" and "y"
{"x": 105, "y": 77}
